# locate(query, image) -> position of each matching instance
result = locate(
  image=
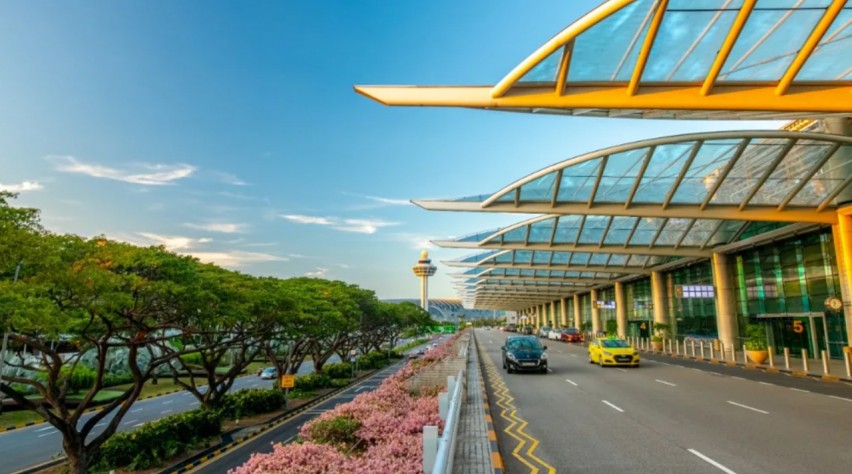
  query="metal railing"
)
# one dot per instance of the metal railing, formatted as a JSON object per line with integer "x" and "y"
{"x": 439, "y": 451}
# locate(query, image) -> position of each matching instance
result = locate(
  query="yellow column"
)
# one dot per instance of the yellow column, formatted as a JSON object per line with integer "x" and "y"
{"x": 658, "y": 295}
{"x": 596, "y": 313}
{"x": 578, "y": 320}
{"x": 726, "y": 313}
{"x": 843, "y": 248}
{"x": 620, "y": 309}
{"x": 553, "y": 314}
{"x": 563, "y": 313}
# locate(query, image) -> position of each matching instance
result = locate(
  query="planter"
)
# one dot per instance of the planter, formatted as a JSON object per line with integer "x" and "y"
{"x": 758, "y": 357}
{"x": 657, "y": 345}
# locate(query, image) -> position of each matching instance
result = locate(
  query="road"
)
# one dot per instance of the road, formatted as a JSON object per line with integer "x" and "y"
{"x": 668, "y": 415}
{"x": 34, "y": 445}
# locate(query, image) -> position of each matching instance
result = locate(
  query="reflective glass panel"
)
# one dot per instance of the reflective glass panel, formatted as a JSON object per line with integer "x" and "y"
{"x": 580, "y": 258}
{"x": 542, "y": 258}
{"x": 788, "y": 174}
{"x": 618, "y": 259}
{"x": 566, "y": 230}
{"x": 518, "y": 234}
{"x": 619, "y": 175}
{"x": 705, "y": 169}
{"x": 646, "y": 230}
{"x": 546, "y": 70}
{"x": 477, "y": 237}
{"x": 507, "y": 197}
{"x": 479, "y": 256}
{"x": 599, "y": 259}
{"x": 620, "y": 230}
{"x": 743, "y": 177}
{"x": 504, "y": 258}
{"x": 541, "y": 273}
{"x": 578, "y": 181}
{"x": 727, "y": 232}
{"x": 593, "y": 229}
{"x": 561, "y": 258}
{"x": 662, "y": 171}
{"x": 523, "y": 256}
{"x": 699, "y": 233}
{"x": 527, "y": 273}
{"x": 540, "y": 232}
{"x": 672, "y": 232}
{"x": 830, "y": 60}
{"x": 827, "y": 179}
{"x": 541, "y": 189}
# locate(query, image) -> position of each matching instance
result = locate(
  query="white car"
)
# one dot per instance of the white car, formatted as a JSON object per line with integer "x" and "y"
{"x": 554, "y": 335}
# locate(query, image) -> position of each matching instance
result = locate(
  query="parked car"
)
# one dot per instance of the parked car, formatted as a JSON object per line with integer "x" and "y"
{"x": 554, "y": 334}
{"x": 543, "y": 331}
{"x": 512, "y": 328}
{"x": 612, "y": 351}
{"x": 269, "y": 373}
{"x": 528, "y": 330}
{"x": 572, "y": 335}
{"x": 524, "y": 353}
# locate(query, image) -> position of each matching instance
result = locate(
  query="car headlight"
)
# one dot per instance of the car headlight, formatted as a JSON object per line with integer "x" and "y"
{"x": 608, "y": 354}
{"x": 543, "y": 356}
{"x": 511, "y": 356}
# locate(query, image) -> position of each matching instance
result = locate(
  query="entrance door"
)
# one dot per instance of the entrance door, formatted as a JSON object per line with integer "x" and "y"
{"x": 836, "y": 330}
{"x": 639, "y": 328}
{"x": 797, "y": 333}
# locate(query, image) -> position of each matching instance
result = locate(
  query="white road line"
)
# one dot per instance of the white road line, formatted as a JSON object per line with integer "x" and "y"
{"x": 623, "y": 370}
{"x": 841, "y": 398}
{"x": 362, "y": 388}
{"x": 714, "y": 463}
{"x": 165, "y": 411}
{"x": 167, "y": 402}
{"x": 666, "y": 383}
{"x": 289, "y": 439}
{"x": 45, "y": 429}
{"x": 138, "y": 424}
{"x": 136, "y": 410}
{"x": 549, "y": 370}
{"x": 800, "y": 390}
{"x": 748, "y": 407}
{"x": 573, "y": 355}
{"x": 48, "y": 434}
{"x": 571, "y": 382}
{"x": 560, "y": 352}
{"x": 100, "y": 424}
{"x": 716, "y": 373}
{"x": 130, "y": 422}
{"x": 735, "y": 377}
{"x": 613, "y": 406}
{"x": 193, "y": 404}
{"x": 766, "y": 383}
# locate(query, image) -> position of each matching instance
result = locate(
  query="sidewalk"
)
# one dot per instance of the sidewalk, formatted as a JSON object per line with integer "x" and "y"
{"x": 473, "y": 448}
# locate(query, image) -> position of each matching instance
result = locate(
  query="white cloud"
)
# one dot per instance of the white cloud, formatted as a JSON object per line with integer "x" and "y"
{"x": 175, "y": 242}
{"x": 361, "y": 226}
{"x": 319, "y": 273}
{"x": 390, "y": 201}
{"x": 151, "y": 174}
{"x": 22, "y": 186}
{"x": 231, "y": 179}
{"x": 235, "y": 258}
{"x": 223, "y": 227}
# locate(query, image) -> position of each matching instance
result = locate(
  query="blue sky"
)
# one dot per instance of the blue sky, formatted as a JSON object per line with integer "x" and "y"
{"x": 230, "y": 130}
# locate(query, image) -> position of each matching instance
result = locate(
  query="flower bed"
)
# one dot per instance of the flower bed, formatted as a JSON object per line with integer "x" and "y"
{"x": 377, "y": 432}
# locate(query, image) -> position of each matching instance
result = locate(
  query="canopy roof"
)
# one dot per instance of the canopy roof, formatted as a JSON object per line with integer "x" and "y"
{"x": 765, "y": 175}
{"x": 686, "y": 59}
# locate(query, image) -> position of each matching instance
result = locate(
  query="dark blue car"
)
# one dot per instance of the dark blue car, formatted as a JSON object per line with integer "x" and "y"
{"x": 524, "y": 354}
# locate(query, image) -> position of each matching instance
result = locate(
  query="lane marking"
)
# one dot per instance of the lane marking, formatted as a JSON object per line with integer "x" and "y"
{"x": 800, "y": 390}
{"x": 362, "y": 388}
{"x": 735, "y": 377}
{"x": 138, "y": 424}
{"x": 560, "y": 352}
{"x": 623, "y": 370}
{"x": 613, "y": 406}
{"x": 289, "y": 439}
{"x": 136, "y": 410}
{"x": 48, "y": 434}
{"x": 573, "y": 355}
{"x": 766, "y": 383}
{"x": 712, "y": 462}
{"x": 100, "y": 424}
{"x": 549, "y": 370}
{"x": 193, "y": 404}
{"x": 715, "y": 373}
{"x": 167, "y": 402}
{"x": 45, "y": 429}
{"x": 130, "y": 422}
{"x": 748, "y": 407}
{"x": 841, "y": 398}
{"x": 666, "y": 383}
{"x": 165, "y": 411}
{"x": 571, "y": 382}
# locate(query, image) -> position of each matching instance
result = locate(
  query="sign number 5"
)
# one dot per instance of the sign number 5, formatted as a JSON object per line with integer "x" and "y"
{"x": 798, "y": 327}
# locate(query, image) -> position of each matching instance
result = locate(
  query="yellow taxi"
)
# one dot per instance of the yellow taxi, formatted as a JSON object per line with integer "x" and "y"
{"x": 612, "y": 351}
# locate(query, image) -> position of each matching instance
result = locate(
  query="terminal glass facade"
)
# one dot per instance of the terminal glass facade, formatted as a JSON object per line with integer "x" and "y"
{"x": 691, "y": 300}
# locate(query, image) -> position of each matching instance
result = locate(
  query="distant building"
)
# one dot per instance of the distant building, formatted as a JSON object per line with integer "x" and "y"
{"x": 447, "y": 309}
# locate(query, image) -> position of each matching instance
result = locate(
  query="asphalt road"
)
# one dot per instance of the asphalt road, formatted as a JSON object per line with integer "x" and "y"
{"x": 34, "y": 445}
{"x": 672, "y": 416}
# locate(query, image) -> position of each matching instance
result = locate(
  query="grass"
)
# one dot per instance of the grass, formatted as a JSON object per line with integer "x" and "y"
{"x": 18, "y": 417}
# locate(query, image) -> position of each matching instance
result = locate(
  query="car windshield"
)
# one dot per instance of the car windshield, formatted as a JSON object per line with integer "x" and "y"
{"x": 526, "y": 344}
{"x": 570, "y": 331}
{"x": 614, "y": 343}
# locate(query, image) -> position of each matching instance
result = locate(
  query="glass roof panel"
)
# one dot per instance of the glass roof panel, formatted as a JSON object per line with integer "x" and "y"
{"x": 504, "y": 258}
{"x": 477, "y": 237}
{"x": 699, "y": 232}
{"x": 527, "y": 272}
{"x": 542, "y": 258}
{"x": 618, "y": 259}
{"x": 619, "y": 175}
{"x": 827, "y": 179}
{"x": 662, "y": 171}
{"x": 706, "y": 167}
{"x": 561, "y": 258}
{"x": 540, "y": 232}
{"x": 646, "y": 230}
{"x": 769, "y": 42}
{"x": 508, "y": 197}
{"x": 546, "y": 70}
{"x": 748, "y": 170}
{"x": 479, "y": 256}
{"x": 541, "y": 189}
{"x": 620, "y": 230}
{"x": 510, "y": 272}
{"x": 593, "y": 229}
{"x": 579, "y": 258}
{"x": 523, "y": 256}
{"x": 518, "y": 234}
{"x": 756, "y": 228}
{"x": 787, "y": 175}
{"x": 637, "y": 260}
{"x": 727, "y": 232}
{"x": 542, "y": 273}
{"x": 578, "y": 180}
{"x": 557, "y": 273}
{"x": 566, "y": 231}
{"x": 477, "y": 198}
{"x": 687, "y": 42}
{"x": 829, "y": 61}
{"x": 599, "y": 259}
{"x": 672, "y": 232}
{"x": 608, "y": 50}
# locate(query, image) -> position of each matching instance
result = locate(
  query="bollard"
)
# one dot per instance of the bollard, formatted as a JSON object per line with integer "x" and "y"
{"x": 722, "y": 355}
{"x": 430, "y": 447}
{"x": 826, "y": 369}
{"x": 701, "y": 345}
{"x": 677, "y": 346}
{"x": 670, "y": 347}
{"x": 771, "y": 356}
{"x": 745, "y": 355}
{"x": 692, "y": 346}
{"x": 443, "y": 405}
{"x": 712, "y": 353}
{"x": 734, "y": 353}
{"x": 846, "y": 355}
{"x": 787, "y": 358}
{"x": 805, "y": 362}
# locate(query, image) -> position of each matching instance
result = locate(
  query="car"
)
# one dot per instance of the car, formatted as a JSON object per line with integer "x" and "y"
{"x": 542, "y": 331}
{"x": 269, "y": 373}
{"x": 571, "y": 335}
{"x": 612, "y": 351}
{"x": 529, "y": 330}
{"x": 524, "y": 354}
{"x": 512, "y": 327}
{"x": 554, "y": 334}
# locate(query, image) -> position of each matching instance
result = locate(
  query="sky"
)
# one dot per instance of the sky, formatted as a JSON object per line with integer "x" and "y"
{"x": 230, "y": 130}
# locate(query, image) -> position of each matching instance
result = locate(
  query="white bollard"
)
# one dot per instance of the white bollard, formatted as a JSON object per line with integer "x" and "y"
{"x": 846, "y": 355}
{"x": 430, "y": 447}
{"x": 806, "y": 364}
{"x": 670, "y": 347}
{"x": 771, "y": 356}
{"x": 692, "y": 346}
{"x": 677, "y": 346}
{"x": 787, "y": 358}
{"x": 745, "y": 355}
{"x": 712, "y": 352}
{"x": 826, "y": 367}
{"x": 701, "y": 345}
{"x": 722, "y": 355}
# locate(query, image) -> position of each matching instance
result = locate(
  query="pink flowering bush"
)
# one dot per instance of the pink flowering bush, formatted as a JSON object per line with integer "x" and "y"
{"x": 389, "y": 439}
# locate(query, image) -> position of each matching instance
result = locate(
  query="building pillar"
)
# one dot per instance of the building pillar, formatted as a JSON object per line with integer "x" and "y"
{"x": 553, "y": 314}
{"x": 542, "y": 310}
{"x": 726, "y": 312}
{"x": 658, "y": 296}
{"x": 596, "y": 313}
{"x": 563, "y": 313}
{"x": 620, "y": 309}
{"x": 578, "y": 320}
{"x": 843, "y": 250}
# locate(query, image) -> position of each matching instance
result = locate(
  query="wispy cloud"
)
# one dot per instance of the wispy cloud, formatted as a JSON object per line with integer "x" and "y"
{"x": 174, "y": 242}
{"x": 223, "y": 227}
{"x": 375, "y": 202}
{"x": 361, "y": 226}
{"x": 390, "y": 201}
{"x": 229, "y": 178}
{"x": 188, "y": 246}
{"x": 319, "y": 273}
{"x": 236, "y": 258}
{"x": 149, "y": 174}
{"x": 22, "y": 186}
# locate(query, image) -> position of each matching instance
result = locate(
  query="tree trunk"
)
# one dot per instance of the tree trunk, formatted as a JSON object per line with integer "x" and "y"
{"x": 78, "y": 455}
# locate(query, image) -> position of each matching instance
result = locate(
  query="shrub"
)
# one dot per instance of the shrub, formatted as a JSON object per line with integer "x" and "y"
{"x": 314, "y": 381}
{"x": 337, "y": 383}
{"x": 111, "y": 380}
{"x": 79, "y": 377}
{"x": 342, "y": 370}
{"x": 298, "y": 394}
{"x": 338, "y": 431}
{"x": 157, "y": 441}
{"x": 251, "y": 401}
{"x": 193, "y": 358}
{"x": 372, "y": 360}
{"x": 756, "y": 337}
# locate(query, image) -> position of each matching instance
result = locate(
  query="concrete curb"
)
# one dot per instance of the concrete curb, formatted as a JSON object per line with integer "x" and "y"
{"x": 496, "y": 457}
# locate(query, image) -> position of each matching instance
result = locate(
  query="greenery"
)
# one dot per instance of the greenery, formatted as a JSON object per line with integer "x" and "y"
{"x": 341, "y": 370}
{"x": 661, "y": 331}
{"x": 301, "y": 394}
{"x": 408, "y": 346}
{"x": 314, "y": 381}
{"x": 253, "y": 401}
{"x": 756, "y": 337}
{"x": 339, "y": 432}
{"x": 611, "y": 327}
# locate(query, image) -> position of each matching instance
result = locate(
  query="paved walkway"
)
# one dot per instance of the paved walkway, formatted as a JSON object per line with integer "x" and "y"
{"x": 473, "y": 449}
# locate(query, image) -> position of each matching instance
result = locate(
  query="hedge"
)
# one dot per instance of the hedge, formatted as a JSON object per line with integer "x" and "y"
{"x": 341, "y": 370}
{"x": 251, "y": 401}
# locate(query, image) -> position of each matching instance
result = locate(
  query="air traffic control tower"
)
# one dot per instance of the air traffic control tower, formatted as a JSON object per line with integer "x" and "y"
{"x": 424, "y": 269}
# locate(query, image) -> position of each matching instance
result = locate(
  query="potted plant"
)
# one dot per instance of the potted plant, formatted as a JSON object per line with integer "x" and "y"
{"x": 756, "y": 346}
{"x": 661, "y": 331}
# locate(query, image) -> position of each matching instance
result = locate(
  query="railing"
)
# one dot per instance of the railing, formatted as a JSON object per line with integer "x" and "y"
{"x": 439, "y": 451}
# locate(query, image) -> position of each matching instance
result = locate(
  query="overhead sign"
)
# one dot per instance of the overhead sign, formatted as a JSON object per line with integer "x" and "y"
{"x": 288, "y": 381}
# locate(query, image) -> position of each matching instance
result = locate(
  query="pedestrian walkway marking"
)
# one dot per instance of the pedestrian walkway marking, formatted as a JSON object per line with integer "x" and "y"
{"x": 613, "y": 406}
{"x": 571, "y": 382}
{"x": 714, "y": 463}
{"x": 515, "y": 424}
{"x": 748, "y": 407}
{"x": 666, "y": 383}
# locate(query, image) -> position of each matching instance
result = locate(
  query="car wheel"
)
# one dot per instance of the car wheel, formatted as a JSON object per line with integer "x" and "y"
{"x": 509, "y": 368}
{"x": 544, "y": 371}
{"x": 590, "y": 359}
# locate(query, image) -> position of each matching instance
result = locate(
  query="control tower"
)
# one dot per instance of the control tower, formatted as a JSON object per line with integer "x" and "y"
{"x": 424, "y": 269}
